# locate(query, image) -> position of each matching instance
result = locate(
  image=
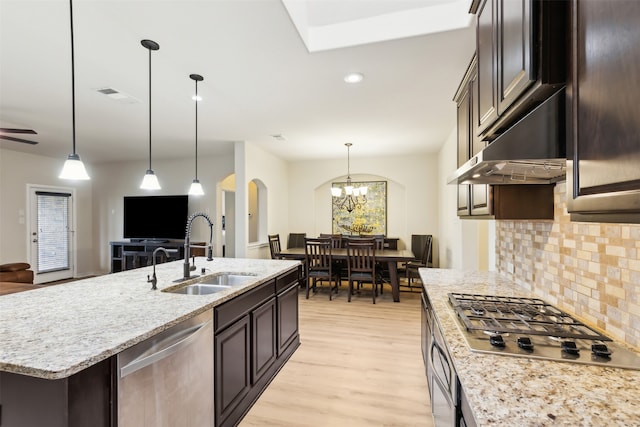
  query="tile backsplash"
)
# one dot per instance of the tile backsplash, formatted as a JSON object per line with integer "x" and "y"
{"x": 591, "y": 270}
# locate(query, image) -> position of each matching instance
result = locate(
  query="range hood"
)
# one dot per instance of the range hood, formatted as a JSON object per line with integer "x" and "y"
{"x": 532, "y": 151}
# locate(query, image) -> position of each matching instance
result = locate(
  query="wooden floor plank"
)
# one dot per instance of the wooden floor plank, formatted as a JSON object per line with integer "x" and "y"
{"x": 358, "y": 364}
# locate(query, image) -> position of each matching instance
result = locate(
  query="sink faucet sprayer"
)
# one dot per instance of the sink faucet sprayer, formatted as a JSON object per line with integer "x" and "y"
{"x": 187, "y": 244}
{"x": 154, "y": 280}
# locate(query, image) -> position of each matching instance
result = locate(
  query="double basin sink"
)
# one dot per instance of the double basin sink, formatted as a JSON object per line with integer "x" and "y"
{"x": 212, "y": 284}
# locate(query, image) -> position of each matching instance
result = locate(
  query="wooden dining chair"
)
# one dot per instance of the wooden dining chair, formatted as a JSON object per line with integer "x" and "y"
{"x": 319, "y": 264}
{"x": 274, "y": 246}
{"x": 361, "y": 264}
{"x": 425, "y": 260}
{"x": 296, "y": 240}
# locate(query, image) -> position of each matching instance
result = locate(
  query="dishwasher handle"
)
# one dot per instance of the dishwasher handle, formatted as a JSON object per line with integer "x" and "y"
{"x": 169, "y": 346}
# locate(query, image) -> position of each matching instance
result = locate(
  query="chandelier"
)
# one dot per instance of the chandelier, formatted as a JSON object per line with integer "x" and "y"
{"x": 354, "y": 197}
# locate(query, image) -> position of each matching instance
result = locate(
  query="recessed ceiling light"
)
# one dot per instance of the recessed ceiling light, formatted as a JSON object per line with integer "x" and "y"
{"x": 353, "y": 77}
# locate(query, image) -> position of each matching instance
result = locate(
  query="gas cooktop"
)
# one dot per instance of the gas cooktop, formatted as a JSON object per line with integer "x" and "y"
{"x": 530, "y": 327}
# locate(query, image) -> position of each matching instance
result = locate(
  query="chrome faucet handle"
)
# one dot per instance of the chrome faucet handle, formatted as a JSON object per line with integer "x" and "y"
{"x": 193, "y": 263}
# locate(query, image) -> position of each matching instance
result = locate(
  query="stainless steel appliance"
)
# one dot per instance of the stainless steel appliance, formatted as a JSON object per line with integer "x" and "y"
{"x": 167, "y": 380}
{"x": 530, "y": 327}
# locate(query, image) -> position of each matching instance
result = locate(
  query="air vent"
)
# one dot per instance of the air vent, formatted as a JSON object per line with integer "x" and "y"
{"x": 117, "y": 95}
{"x": 278, "y": 137}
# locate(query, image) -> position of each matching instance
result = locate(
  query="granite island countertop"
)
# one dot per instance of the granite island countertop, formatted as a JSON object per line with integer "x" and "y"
{"x": 517, "y": 391}
{"x": 57, "y": 331}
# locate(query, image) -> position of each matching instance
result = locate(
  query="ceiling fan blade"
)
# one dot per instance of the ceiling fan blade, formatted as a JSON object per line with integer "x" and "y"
{"x": 10, "y": 130}
{"x": 10, "y": 138}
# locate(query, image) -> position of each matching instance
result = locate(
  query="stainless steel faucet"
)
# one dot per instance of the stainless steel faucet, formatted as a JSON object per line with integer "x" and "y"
{"x": 154, "y": 280}
{"x": 188, "y": 268}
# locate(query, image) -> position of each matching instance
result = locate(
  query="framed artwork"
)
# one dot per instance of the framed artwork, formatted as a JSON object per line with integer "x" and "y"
{"x": 367, "y": 217}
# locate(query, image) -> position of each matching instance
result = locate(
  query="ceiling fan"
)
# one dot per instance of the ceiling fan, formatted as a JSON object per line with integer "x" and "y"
{"x": 18, "y": 131}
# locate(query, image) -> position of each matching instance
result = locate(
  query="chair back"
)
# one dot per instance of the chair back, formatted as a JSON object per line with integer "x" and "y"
{"x": 361, "y": 257}
{"x": 336, "y": 239}
{"x": 426, "y": 251}
{"x": 296, "y": 240}
{"x": 317, "y": 253}
{"x": 274, "y": 245}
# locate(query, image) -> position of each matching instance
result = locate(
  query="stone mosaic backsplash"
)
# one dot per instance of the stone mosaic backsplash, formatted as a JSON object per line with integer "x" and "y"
{"x": 591, "y": 270}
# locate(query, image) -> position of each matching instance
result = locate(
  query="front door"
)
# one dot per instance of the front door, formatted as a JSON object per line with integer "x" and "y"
{"x": 51, "y": 234}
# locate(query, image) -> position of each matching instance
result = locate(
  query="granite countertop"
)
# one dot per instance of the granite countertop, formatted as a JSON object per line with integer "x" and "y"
{"x": 57, "y": 331}
{"x": 504, "y": 390}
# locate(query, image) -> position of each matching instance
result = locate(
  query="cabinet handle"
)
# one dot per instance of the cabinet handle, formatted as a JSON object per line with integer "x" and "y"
{"x": 169, "y": 346}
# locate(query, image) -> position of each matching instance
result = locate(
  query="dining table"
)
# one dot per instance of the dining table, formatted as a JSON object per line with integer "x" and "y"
{"x": 391, "y": 256}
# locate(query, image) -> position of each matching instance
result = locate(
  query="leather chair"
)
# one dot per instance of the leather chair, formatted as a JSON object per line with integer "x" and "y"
{"x": 18, "y": 272}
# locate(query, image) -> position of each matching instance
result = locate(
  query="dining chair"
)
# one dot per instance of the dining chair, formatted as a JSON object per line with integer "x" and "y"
{"x": 425, "y": 260}
{"x": 296, "y": 240}
{"x": 337, "y": 242}
{"x": 361, "y": 264}
{"x": 274, "y": 246}
{"x": 319, "y": 264}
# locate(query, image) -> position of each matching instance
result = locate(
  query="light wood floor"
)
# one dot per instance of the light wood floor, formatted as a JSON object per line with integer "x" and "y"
{"x": 358, "y": 364}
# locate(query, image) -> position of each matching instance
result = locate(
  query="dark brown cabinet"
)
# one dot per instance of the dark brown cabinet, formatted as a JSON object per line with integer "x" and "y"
{"x": 83, "y": 399}
{"x": 521, "y": 49}
{"x": 472, "y": 199}
{"x": 256, "y": 333}
{"x": 603, "y": 140}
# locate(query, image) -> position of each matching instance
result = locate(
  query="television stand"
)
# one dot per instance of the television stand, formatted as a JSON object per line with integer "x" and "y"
{"x": 126, "y": 255}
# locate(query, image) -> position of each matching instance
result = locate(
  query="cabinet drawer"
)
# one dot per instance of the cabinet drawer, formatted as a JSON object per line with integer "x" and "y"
{"x": 232, "y": 310}
{"x": 287, "y": 279}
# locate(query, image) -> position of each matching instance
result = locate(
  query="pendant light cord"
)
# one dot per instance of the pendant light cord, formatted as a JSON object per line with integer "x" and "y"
{"x": 196, "y": 129}
{"x": 73, "y": 83}
{"x": 150, "y": 109}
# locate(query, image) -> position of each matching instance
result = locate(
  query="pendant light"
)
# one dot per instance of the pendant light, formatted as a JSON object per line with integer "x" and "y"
{"x": 196, "y": 187}
{"x": 150, "y": 180}
{"x": 354, "y": 197}
{"x": 73, "y": 167}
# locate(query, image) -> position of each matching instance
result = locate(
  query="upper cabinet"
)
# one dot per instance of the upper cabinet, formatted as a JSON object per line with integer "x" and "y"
{"x": 521, "y": 49}
{"x": 603, "y": 132}
{"x": 482, "y": 200}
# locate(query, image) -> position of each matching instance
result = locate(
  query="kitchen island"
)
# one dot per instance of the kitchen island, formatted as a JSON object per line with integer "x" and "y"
{"x": 505, "y": 390}
{"x": 60, "y": 333}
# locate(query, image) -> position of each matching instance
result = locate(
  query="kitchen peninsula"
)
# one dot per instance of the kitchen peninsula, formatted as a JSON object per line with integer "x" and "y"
{"x": 495, "y": 389}
{"x": 59, "y": 344}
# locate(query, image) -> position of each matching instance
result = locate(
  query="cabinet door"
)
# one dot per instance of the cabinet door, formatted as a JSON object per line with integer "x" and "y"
{"x": 486, "y": 101}
{"x": 287, "y": 318}
{"x": 515, "y": 51}
{"x": 263, "y": 333}
{"x": 603, "y": 174}
{"x": 232, "y": 368}
{"x": 480, "y": 199}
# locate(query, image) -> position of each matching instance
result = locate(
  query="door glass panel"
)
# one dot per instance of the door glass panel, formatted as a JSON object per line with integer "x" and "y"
{"x": 53, "y": 231}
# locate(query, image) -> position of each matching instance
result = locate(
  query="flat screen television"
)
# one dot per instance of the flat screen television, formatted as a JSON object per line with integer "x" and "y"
{"x": 158, "y": 218}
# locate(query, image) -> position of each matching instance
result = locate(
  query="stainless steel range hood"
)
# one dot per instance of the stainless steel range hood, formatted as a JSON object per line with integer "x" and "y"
{"x": 532, "y": 151}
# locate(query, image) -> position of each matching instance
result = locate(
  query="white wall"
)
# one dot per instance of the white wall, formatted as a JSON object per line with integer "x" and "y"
{"x": 115, "y": 180}
{"x": 272, "y": 172}
{"x": 464, "y": 243}
{"x": 16, "y": 171}
{"x": 412, "y": 193}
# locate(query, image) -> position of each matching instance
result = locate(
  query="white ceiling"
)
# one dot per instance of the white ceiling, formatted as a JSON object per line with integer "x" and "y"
{"x": 260, "y": 78}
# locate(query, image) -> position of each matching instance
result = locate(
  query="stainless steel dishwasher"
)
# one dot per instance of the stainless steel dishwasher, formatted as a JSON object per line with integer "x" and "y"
{"x": 167, "y": 380}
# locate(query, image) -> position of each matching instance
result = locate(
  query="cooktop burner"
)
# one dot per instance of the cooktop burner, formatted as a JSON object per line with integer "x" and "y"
{"x": 530, "y": 327}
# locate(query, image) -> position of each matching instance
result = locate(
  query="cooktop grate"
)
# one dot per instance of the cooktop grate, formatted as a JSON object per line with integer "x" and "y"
{"x": 530, "y": 316}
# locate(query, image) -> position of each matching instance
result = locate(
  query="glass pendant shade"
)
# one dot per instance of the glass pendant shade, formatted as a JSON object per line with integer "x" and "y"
{"x": 336, "y": 191}
{"x": 73, "y": 169}
{"x": 196, "y": 188}
{"x": 150, "y": 181}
